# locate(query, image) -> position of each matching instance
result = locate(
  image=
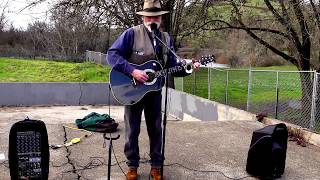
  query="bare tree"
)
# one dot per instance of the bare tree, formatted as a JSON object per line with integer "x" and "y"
{"x": 3, "y": 8}
{"x": 184, "y": 18}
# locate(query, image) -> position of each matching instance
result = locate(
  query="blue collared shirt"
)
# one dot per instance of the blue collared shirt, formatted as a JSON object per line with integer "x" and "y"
{"x": 121, "y": 50}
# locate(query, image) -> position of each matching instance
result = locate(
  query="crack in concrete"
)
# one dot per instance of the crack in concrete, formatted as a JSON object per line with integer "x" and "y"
{"x": 80, "y": 97}
{"x": 74, "y": 170}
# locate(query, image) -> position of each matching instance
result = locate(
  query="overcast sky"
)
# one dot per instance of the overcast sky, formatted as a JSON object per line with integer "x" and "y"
{"x": 21, "y": 19}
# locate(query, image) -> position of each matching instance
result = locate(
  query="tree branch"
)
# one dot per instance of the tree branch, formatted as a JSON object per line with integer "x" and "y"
{"x": 229, "y": 26}
{"x": 306, "y": 44}
{"x": 285, "y": 22}
{"x": 261, "y": 41}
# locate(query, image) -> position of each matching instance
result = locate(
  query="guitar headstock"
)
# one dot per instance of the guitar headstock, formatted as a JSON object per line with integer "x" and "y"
{"x": 204, "y": 60}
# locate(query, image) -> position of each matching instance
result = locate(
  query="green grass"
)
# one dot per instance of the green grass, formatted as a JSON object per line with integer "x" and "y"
{"x": 23, "y": 70}
{"x": 280, "y": 68}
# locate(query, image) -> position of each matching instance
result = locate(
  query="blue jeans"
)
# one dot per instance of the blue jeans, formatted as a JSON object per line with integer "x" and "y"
{"x": 151, "y": 103}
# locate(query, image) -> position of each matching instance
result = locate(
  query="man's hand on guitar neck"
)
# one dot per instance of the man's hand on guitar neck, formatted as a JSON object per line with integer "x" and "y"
{"x": 196, "y": 66}
{"x": 140, "y": 75}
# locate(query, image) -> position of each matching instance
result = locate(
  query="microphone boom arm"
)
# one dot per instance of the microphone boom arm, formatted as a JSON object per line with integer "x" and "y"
{"x": 188, "y": 67}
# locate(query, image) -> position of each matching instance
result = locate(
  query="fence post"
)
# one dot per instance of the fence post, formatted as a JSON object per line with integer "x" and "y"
{"x": 90, "y": 56}
{"x": 194, "y": 83}
{"x": 96, "y": 57}
{"x": 227, "y": 86}
{"x": 249, "y": 89}
{"x": 277, "y": 96}
{"x": 87, "y": 58}
{"x": 313, "y": 103}
{"x": 209, "y": 83}
{"x": 100, "y": 54}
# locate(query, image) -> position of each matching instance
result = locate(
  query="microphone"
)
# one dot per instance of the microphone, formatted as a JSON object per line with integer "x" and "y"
{"x": 153, "y": 27}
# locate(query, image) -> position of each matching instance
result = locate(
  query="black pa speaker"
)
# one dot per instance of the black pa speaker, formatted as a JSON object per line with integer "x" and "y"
{"x": 29, "y": 150}
{"x": 267, "y": 153}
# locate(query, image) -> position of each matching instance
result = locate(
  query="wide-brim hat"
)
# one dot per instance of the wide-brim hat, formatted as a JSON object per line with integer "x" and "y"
{"x": 152, "y": 8}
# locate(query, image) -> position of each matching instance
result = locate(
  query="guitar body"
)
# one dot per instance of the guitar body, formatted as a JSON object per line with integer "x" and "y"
{"x": 128, "y": 91}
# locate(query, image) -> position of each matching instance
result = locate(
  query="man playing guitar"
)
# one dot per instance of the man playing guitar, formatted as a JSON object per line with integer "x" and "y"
{"x": 136, "y": 45}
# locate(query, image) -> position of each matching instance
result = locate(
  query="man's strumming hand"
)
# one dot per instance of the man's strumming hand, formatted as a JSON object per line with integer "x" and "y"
{"x": 140, "y": 75}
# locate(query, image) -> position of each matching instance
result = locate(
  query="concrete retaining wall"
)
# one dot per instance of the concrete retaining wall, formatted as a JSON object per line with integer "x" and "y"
{"x": 27, "y": 94}
{"x": 187, "y": 107}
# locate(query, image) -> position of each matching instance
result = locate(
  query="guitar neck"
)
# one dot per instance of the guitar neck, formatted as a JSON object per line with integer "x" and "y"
{"x": 188, "y": 66}
{"x": 171, "y": 70}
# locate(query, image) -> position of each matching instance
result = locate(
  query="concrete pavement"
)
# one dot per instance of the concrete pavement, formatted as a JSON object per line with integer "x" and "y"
{"x": 217, "y": 146}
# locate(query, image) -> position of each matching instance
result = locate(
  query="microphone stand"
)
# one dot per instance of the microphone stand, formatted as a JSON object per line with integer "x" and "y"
{"x": 165, "y": 103}
{"x": 110, "y": 139}
{"x": 110, "y": 149}
{"x": 164, "y": 124}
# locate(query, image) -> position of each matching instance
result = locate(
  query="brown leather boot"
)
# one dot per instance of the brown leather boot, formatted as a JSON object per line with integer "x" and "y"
{"x": 132, "y": 174}
{"x": 156, "y": 174}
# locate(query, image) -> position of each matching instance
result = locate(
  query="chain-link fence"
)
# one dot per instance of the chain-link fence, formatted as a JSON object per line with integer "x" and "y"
{"x": 285, "y": 95}
{"x": 96, "y": 57}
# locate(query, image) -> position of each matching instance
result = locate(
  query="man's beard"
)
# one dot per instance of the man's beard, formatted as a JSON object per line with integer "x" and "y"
{"x": 148, "y": 25}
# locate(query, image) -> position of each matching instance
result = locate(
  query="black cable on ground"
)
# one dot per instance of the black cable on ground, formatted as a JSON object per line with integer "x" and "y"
{"x": 114, "y": 154}
{"x": 206, "y": 171}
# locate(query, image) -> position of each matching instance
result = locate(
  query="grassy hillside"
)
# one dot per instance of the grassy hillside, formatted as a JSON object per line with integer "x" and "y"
{"x": 18, "y": 70}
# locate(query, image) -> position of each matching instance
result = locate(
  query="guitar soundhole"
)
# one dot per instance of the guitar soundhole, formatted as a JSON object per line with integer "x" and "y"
{"x": 151, "y": 76}
{"x": 189, "y": 67}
